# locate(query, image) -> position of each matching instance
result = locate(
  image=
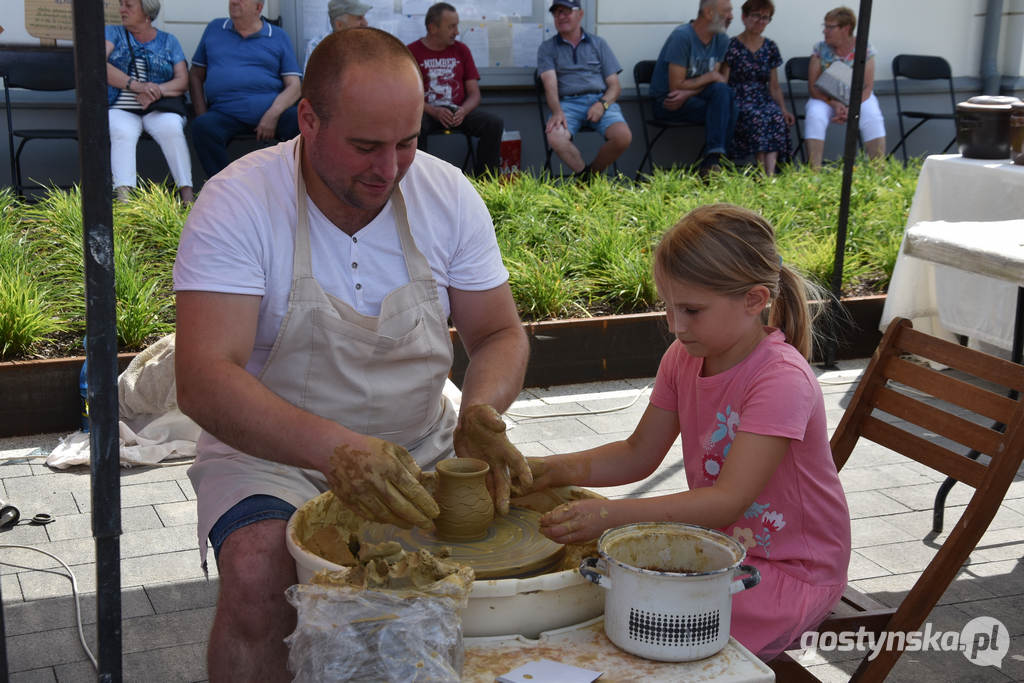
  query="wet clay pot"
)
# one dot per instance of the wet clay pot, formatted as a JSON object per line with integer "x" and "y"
{"x": 466, "y": 506}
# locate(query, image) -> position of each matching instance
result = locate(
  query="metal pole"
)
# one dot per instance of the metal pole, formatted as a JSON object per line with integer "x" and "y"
{"x": 990, "y": 76}
{"x": 849, "y": 154}
{"x": 3, "y": 631}
{"x": 101, "y": 327}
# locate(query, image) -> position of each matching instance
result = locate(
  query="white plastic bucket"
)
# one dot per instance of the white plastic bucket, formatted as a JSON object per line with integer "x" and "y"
{"x": 668, "y": 588}
{"x": 496, "y": 607}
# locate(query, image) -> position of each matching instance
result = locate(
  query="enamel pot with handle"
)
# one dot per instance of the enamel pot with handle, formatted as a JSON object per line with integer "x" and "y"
{"x": 669, "y": 588}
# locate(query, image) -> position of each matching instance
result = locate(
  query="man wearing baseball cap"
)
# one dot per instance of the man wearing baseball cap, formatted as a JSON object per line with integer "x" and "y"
{"x": 343, "y": 14}
{"x": 581, "y": 83}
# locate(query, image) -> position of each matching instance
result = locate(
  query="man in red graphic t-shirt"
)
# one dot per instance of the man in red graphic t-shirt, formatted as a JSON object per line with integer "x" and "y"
{"x": 451, "y": 85}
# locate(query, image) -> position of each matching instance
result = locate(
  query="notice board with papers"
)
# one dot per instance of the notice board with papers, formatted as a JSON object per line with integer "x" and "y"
{"x": 503, "y": 35}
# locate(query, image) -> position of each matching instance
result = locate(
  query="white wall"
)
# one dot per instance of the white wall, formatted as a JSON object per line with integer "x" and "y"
{"x": 950, "y": 28}
{"x": 636, "y": 29}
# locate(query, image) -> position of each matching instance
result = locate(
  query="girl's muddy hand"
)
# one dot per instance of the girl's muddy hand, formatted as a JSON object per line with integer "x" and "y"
{"x": 576, "y": 522}
{"x": 381, "y": 483}
{"x": 538, "y": 470}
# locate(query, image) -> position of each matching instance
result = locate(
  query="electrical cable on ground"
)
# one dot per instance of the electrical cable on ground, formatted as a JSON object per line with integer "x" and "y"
{"x": 582, "y": 412}
{"x": 74, "y": 592}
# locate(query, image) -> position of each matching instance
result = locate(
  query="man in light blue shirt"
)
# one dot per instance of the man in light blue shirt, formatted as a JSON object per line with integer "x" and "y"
{"x": 690, "y": 82}
{"x": 244, "y": 79}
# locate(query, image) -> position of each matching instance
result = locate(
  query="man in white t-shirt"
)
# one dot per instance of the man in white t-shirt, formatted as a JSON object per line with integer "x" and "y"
{"x": 342, "y": 14}
{"x": 315, "y": 281}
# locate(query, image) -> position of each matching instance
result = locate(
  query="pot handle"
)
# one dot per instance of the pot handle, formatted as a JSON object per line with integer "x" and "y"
{"x": 589, "y": 568}
{"x": 747, "y": 581}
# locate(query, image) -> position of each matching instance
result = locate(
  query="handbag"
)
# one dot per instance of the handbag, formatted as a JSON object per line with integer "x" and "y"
{"x": 175, "y": 104}
{"x": 835, "y": 81}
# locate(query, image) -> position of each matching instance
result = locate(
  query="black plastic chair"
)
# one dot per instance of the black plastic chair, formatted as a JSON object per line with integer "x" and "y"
{"x": 921, "y": 68}
{"x": 538, "y": 87}
{"x": 642, "y": 73}
{"x": 47, "y": 69}
{"x": 469, "y": 163}
{"x": 797, "y": 69}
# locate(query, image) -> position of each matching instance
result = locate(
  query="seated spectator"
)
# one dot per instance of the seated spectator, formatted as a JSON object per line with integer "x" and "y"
{"x": 452, "y": 86}
{"x": 839, "y": 45}
{"x": 144, "y": 66}
{"x": 581, "y": 83}
{"x": 762, "y": 120}
{"x": 244, "y": 79}
{"x": 343, "y": 14}
{"x": 689, "y": 82}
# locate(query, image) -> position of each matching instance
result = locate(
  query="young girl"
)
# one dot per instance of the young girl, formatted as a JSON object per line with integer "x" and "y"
{"x": 752, "y": 420}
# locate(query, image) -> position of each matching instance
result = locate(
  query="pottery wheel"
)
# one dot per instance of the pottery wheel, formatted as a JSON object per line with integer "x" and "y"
{"x": 512, "y": 547}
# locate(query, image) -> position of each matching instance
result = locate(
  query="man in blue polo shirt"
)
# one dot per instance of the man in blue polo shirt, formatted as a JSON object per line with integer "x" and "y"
{"x": 244, "y": 79}
{"x": 581, "y": 83}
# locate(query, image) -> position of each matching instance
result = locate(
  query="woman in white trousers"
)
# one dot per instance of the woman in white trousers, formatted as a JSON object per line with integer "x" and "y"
{"x": 822, "y": 108}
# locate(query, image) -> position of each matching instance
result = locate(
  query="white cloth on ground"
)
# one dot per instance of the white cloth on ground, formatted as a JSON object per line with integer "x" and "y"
{"x": 151, "y": 428}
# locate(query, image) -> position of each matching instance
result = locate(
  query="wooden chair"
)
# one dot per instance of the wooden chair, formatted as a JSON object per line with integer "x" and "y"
{"x": 940, "y": 405}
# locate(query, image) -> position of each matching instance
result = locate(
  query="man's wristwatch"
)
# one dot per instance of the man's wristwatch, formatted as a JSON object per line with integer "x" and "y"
{"x": 604, "y": 103}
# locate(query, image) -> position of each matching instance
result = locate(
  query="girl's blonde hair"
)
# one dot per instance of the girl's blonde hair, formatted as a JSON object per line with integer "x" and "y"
{"x": 729, "y": 249}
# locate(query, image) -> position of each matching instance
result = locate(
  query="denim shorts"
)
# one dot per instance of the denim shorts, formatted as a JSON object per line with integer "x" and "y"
{"x": 575, "y": 110}
{"x": 245, "y": 512}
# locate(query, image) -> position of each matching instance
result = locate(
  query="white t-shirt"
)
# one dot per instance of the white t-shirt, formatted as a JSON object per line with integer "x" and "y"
{"x": 239, "y": 239}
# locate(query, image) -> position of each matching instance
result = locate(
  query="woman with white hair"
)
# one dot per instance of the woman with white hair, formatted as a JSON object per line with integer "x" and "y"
{"x": 146, "y": 76}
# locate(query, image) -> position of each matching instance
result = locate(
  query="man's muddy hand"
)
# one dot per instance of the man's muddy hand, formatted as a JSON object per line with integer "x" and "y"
{"x": 481, "y": 435}
{"x": 381, "y": 483}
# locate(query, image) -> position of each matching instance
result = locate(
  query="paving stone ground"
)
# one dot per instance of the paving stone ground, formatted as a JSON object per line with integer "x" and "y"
{"x": 167, "y": 602}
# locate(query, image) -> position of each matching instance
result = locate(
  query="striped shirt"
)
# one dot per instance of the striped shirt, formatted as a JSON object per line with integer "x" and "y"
{"x": 126, "y": 99}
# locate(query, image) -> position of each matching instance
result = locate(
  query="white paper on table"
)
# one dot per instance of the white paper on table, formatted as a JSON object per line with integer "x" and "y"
{"x": 547, "y": 671}
{"x": 476, "y": 39}
{"x": 526, "y": 38}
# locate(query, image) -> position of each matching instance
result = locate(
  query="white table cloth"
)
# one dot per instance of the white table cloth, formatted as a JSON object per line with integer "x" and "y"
{"x": 939, "y": 299}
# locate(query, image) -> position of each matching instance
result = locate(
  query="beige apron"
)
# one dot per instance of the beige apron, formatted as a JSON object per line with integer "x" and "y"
{"x": 378, "y": 376}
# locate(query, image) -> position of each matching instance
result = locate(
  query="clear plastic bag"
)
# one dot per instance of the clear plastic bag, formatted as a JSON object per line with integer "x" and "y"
{"x": 347, "y": 633}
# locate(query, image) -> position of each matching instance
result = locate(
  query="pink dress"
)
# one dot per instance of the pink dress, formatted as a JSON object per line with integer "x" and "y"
{"x": 797, "y": 531}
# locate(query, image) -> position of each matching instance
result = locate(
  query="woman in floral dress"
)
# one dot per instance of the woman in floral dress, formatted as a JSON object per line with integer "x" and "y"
{"x": 762, "y": 124}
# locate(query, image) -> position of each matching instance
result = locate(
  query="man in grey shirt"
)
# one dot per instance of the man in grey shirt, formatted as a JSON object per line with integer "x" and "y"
{"x": 581, "y": 83}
